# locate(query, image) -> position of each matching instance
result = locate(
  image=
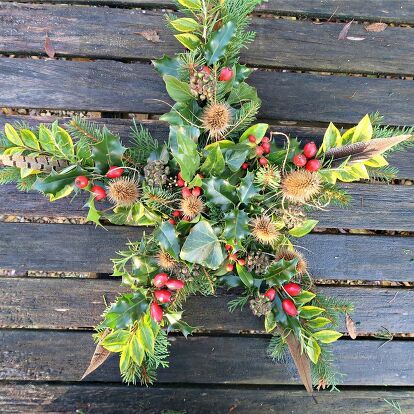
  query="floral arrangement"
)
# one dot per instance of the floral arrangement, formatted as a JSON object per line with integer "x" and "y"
{"x": 227, "y": 199}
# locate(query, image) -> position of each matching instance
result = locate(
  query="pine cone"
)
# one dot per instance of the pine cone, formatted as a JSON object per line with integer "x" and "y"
{"x": 202, "y": 84}
{"x": 260, "y": 306}
{"x": 156, "y": 173}
{"x": 258, "y": 262}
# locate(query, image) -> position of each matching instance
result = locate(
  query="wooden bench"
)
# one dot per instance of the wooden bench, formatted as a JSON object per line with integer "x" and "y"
{"x": 308, "y": 78}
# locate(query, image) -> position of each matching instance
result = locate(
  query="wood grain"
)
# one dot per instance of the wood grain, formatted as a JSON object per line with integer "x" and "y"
{"x": 62, "y": 356}
{"x": 54, "y": 304}
{"x": 135, "y": 87}
{"x": 282, "y": 44}
{"x": 82, "y": 248}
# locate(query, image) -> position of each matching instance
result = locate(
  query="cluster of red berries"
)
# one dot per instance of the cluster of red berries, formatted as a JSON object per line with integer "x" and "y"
{"x": 306, "y": 159}
{"x": 99, "y": 192}
{"x": 232, "y": 257}
{"x": 261, "y": 150}
{"x": 292, "y": 289}
{"x": 163, "y": 295}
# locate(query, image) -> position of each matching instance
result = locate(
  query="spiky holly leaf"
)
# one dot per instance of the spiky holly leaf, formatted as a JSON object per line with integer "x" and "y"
{"x": 214, "y": 163}
{"x": 217, "y": 45}
{"x": 236, "y": 225}
{"x": 220, "y": 192}
{"x": 167, "y": 65}
{"x": 247, "y": 189}
{"x": 281, "y": 272}
{"x": 236, "y": 156}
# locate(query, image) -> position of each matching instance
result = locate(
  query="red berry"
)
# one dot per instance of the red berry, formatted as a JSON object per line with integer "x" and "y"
{"x": 98, "y": 192}
{"x": 229, "y": 267}
{"x": 270, "y": 294}
{"x": 186, "y": 192}
{"x": 176, "y": 213}
{"x": 293, "y": 289}
{"x": 289, "y": 307}
{"x": 172, "y": 221}
{"x": 313, "y": 165}
{"x": 263, "y": 161}
{"x": 114, "y": 172}
{"x": 207, "y": 70}
{"x": 266, "y": 147}
{"x": 229, "y": 247}
{"x": 265, "y": 140}
{"x": 159, "y": 279}
{"x": 299, "y": 160}
{"x": 179, "y": 175}
{"x": 163, "y": 295}
{"x": 196, "y": 191}
{"x": 226, "y": 74}
{"x": 241, "y": 262}
{"x": 156, "y": 312}
{"x": 252, "y": 139}
{"x": 259, "y": 150}
{"x": 180, "y": 182}
{"x": 310, "y": 149}
{"x": 245, "y": 166}
{"x": 174, "y": 284}
{"x": 233, "y": 257}
{"x": 81, "y": 181}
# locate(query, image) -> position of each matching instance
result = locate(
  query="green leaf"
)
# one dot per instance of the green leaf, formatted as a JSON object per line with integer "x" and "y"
{"x": 12, "y": 135}
{"x": 136, "y": 351}
{"x": 318, "y": 322}
{"x": 270, "y": 322}
{"x": 29, "y": 139}
{"x": 214, "y": 163}
{"x": 245, "y": 276}
{"x": 115, "y": 341}
{"x": 143, "y": 268}
{"x": 332, "y": 138}
{"x": 185, "y": 24}
{"x": 124, "y": 360}
{"x": 313, "y": 350}
{"x": 236, "y": 225}
{"x": 183, "y": 327}
{"x": 363, "y": 131}
{"x": 46, "y": 139}
{"x": 309, "y": 312}
{"x": 304, "y": 297}
{"x": 376, "y": 162}
{"x": 306, "y": 227}
{"x": 191, "y": 4}
{"x": 258, "y": 130}
{"x": 64, "y": 192}
{"x": 179, "y": 91}
{"x": 125, "y": 311}
{"x": 219, "y": 40}
{"x": 220, "y": 192}
{"x": 63, "y": 142}
{"x": 281, "y": 272}
{"x": 94, "y": 215}
{"x": 242, "y": 93}
{"x": 146, "y": 337}
{"x": 188, "y": 40}
{"x": 236, "y": 156}
{"x": 203, "y": 247}
{"x": 247, "y": 189}
{"x": 168, "y": 239}
{"x": 327, "y": 336}
{"x": 167, "y": 66}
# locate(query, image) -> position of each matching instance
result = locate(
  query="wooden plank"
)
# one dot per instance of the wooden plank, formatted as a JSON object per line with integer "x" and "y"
{"x": 73, "y": 248}
{"x": 279, "y": 43}
{"x": 62, "y": 356}
{"x": 105, "y": 399}
{"x": 116, "y": 86}
{"x": 401, "y": 160}
{"x": 78, "y": 304}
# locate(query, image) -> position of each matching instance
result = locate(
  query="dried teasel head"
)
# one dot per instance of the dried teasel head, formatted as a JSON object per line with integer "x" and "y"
{"x": 216, "y": 120}
{"x": 192, "y": 206}
{"x": 123, "y": 192}
{"x": 264, "y": 230}
{"x": 289, "y": 255}
{"x": 166, "y": 261}
{"x": 300, "y": 186}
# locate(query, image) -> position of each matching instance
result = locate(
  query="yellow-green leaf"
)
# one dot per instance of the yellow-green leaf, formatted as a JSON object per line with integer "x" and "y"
{"x": 347, "y": 136}
{"x": 12, "y": 135}
{"x": 309, "y": 312}
{"x": 327, "y": 336}
{"x": 318, "y": 322}
{"x": 185, "y": 24}
{"x": 64, "y": 192}
{"x": 331, "y": 139}
{"x": 306, "y": 227}
{"x": 25, "y": 172}
{"x": 360, "y": 170}
{"x": 146, "y": 337}
{"x": 313, "y": 350}
{"x": 188, "y": 40}
{"x": 13, "y": 151}
{"x": 376, "y": 162}
{"x": 46, "y": 139}
{"x": 29, "y": 139}
{"x": 191, "y": 4}
{"x": 363, "y": 131}
{"x": 136, "y": 351}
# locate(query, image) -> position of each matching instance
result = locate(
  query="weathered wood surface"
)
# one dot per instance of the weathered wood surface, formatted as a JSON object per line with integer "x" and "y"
{"x": 85, "y": 32}
{"x": 135, "y": 87}
{"x": 397, "y": 11}
{"x": 54, "y": 304}
{"x": 84, "y": 248}
{"x": 366, "y": 210}
{"x": 63, "y": 356}
{"x": 105, "y": 399}
{"x": 159, "y": 130}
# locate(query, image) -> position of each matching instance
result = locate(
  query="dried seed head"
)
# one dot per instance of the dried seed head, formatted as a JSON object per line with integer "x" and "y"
{"x": 192, "y": 206}
{"x": 288, "y": 255}
{"x": 166, "y": 261}
{"x": 123, "y": 192}
{"x": 264, "y": 230}
{"x": 300, "y": 186}
{"x": 268, "y": 177}
{"x": 216, "y": 120}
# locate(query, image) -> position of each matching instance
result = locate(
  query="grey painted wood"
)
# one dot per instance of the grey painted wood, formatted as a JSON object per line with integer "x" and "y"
{"x": 78, "y": 304}
{"x": 105, "y": 399}
{"x": 279, "y": 43}
{"x": 82, "y": 248}
{"x": 63, "y": 356}
{"x": 136, "y": 87}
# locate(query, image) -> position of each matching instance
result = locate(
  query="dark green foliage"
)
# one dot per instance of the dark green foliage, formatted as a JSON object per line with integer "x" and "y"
{"x": 144, "y": 145}
{"x": 324, "y": 373}
{"x": 383, "y": 174}
{"x": 9, "y": 175}
{"x": 335, "y": 308}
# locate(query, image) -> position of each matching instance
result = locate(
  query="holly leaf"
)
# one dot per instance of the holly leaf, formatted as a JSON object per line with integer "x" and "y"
{"x": 247, "y": 189}
{"x": 167, "y": 65}
{"x": 217, "y": 45}
{"x": 236, "y": 156}
{"x": 94, "y": 215}
{"x": 168, "y": 239}
{"x": 220, "y": 192}
{"x": 281, "y": 272}
{"x": 214, "y": 163}
{"x": 203, "y": 247}
{"x": 236, "y": 225}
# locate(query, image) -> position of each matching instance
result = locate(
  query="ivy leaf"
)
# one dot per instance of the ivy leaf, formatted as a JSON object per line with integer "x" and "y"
{"x": 217, "y": 45}
{"x": 214, "y": 163}
{"x": 327, "y": 336}
{"x": 236, "y": 156}
{"x": 203, "y": 247}
{"x": 125, "y": 311}
{"x": 306, "y": 227}
{"x": 179, "y": 91}
{"x": 220, "y": 192}
{"x": 167, "y": 65}
{"x": 245, "y": 276}
{"x": 313, "y": 350}
{"x": 168, "y": 239}
{"x": 236, "y": 225}
{"x": 247, "y": 189}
